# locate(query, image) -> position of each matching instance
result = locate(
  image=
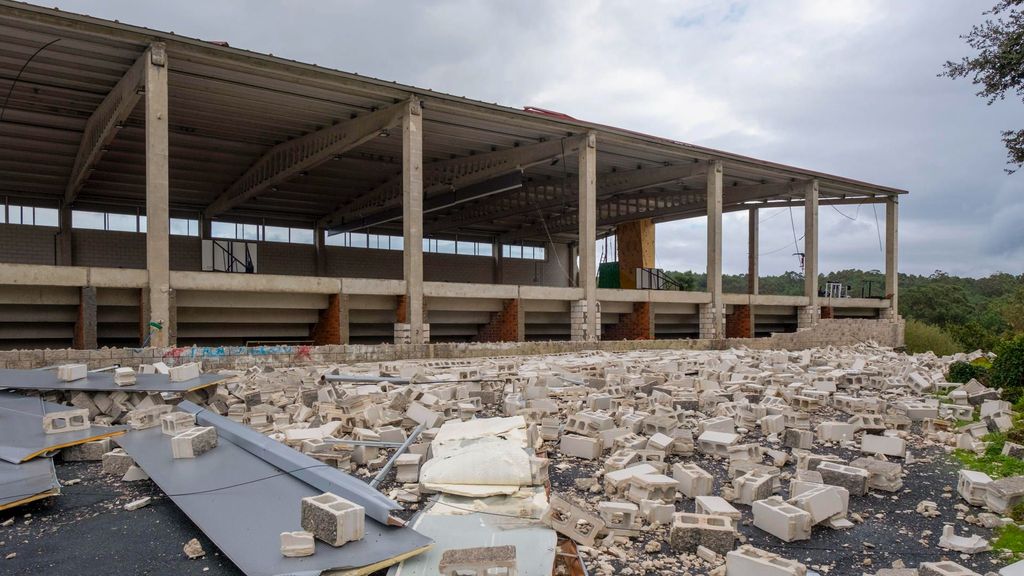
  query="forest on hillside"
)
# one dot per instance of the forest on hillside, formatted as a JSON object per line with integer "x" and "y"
{"x": 945, "y": 313}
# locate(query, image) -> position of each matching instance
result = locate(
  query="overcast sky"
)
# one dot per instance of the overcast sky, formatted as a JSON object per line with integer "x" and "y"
{"x": 844, "y": 87}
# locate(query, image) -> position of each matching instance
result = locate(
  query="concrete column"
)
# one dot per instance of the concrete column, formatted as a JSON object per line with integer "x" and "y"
{"x": 85, "y": 325}
{"x": 157, "y": 195}
{"x": 634, "y": 242}
{"x": 64, "y": 255}
{"x": 320, "y": 250}
{"x": 753, "y": 245}
{"x": 499, "y": 264}
{"x": 892, "y": 288}
{"x": 588, "y": 235}
{"x": 713, "y": 312}
{"x": 412, "y": 218}
{"x": 811, "y": 242}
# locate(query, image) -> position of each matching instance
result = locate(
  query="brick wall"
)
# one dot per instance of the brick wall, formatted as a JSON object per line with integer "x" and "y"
{"x": 327, "y": 329}
{"x": 108, "y": 249}
{"x": 504, "y": 325}
{"x": 738, "y": 324}
{"x": 20, "y": 244}
{"x": 637, "y": 325}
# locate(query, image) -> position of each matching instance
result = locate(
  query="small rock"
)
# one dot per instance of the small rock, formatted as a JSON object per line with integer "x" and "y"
{"x": 193, "y": 549}
{"x": 136, "y": 504}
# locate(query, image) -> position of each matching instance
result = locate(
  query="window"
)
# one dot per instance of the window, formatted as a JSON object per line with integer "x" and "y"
{"x": 28, "y": 215}
{"x": 388, "y": 242}
{"x": 181, "y": 226}
{"x": 260, "y": 232}
{"x": 522, "y": 252}
{"x": 88, "y": 220}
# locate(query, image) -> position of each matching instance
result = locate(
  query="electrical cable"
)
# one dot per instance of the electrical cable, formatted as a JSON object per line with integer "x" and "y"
{"x": 3, "y": 107}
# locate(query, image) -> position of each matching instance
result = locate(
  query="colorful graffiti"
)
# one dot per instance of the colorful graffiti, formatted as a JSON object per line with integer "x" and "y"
{"x": 302, "y": 352}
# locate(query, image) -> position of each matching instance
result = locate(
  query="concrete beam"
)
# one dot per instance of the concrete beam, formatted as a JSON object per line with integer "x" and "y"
{"x": 811, "y": 241}
{"x": 892, "y": 252}
{"x": 412, "y": 217}
{"x": 449, "y": 175}
{"x": 290, "y": 158}
{"x": 157, "y": 195}
{"x": 588, "y": 233}
{"x": 105, "y": 121}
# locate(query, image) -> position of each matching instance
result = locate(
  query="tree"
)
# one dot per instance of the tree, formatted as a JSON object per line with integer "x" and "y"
{"x": 998, "y": 66}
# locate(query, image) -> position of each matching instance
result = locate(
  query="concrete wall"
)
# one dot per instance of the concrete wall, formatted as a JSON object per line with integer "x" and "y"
{"x": 100, "y": 248}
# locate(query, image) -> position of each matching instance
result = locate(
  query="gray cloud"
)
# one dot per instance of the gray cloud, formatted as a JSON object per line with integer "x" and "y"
{"x": 847, "y": 87}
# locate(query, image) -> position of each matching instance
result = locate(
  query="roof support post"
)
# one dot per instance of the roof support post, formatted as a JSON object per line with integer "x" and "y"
{"x": 157, "y": 194}
{"x": 588, "y": 235}
{"x": 320, "y": 250}
{"x": 412, "y": 217}
{"x": 714, "y": 264}
{"x": 892, "y": 287}
{"x": 811, "y": 242}
{"x": 753, "y": 245}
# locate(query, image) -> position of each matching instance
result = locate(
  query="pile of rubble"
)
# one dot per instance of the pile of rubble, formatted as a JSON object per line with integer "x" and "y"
{"x": 648, "y": 461}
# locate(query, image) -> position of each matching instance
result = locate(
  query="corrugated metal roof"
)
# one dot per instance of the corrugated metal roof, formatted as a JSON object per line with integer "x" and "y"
{"x": 229, "y": 106}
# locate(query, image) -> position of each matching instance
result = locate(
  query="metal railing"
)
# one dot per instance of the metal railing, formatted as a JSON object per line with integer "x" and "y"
{"x": 656, "y": 279}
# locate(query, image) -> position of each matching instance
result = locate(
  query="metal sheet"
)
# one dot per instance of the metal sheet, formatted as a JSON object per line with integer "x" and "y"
{"x": 101, "y": 382}
{"x": 243, "y": 503}
{"x": 534, "y": 542}
{"x": 24, "y": 483}
{"x": 303, "y": 467}
{"x": 21, "y": 428}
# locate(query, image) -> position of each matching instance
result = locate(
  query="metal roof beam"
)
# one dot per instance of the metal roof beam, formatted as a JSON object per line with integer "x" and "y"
{"x": 105, "y": 121}
{"x": 447, "y": 175}
{"x": 614, "y": 211}
{"x": 608, "y": 185}
{"x": 288, "y": 159}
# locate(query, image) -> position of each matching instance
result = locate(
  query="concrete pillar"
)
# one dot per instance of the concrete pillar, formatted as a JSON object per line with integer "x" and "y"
{"x": 85, "y": 325}
{"x": 157, "y": 194}
{"x": 320, "y": 250}
{"x": 811, "y": 242}
{"x": 892, "y": 288}
{"x": 712, "y": 321}
{"x": 64, "y": 255}
{"x": 588, "y": 237}
{"x": 753, "y": 245}
{"x": 635, "y": 244}
{"x": 498, "y": 277}
{"x": 412, "y": 218}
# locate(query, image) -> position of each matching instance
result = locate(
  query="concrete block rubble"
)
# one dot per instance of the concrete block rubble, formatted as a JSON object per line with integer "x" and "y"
{"x": 643, "y": 462}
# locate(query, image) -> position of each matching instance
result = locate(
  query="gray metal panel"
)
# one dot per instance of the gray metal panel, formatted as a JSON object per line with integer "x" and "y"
{"x": 22, "y": 481}
{"x": 100, "y": 382}
{"x": 303, "y": 467}
{"x": 535, "y": 544}
{"x": 21, "y": 428}
{"x": 243, "y": 504}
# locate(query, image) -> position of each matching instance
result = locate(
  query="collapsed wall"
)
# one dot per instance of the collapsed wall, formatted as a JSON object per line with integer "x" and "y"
{"x": 826, "y": 332}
